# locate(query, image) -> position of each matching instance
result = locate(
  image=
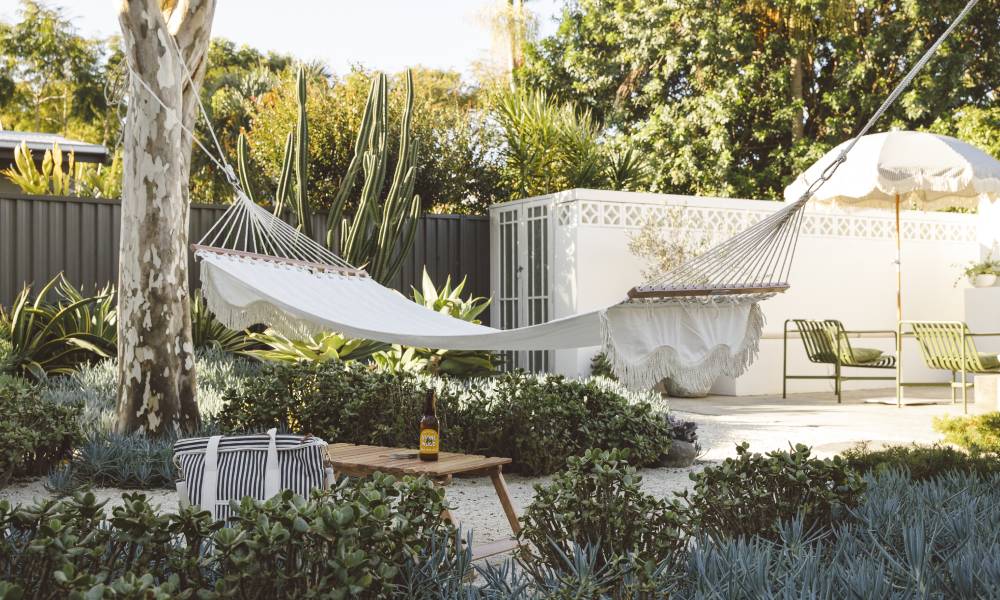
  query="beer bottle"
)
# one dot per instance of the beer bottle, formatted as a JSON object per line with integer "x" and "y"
{"x": 430, "y": 431}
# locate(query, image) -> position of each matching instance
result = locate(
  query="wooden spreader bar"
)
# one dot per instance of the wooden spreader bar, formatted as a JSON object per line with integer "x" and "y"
{"x": 346, "y": 271}
{"x": 659, "y": 291}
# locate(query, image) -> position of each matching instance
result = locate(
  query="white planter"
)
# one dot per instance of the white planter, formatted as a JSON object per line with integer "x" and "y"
{"x": 981, "y": 281}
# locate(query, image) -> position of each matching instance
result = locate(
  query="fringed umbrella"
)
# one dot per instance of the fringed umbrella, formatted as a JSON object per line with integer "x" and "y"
{"x": 919, "y": 170}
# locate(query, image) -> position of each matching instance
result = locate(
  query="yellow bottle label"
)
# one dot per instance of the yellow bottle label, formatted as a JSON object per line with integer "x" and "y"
{"x": 429, "y": 441}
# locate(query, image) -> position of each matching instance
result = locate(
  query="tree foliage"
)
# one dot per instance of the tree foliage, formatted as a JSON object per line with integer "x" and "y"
{"x": 457, "y": 171}
{"x": 52, "y": 79}
{"x": 733, "y": 97}
{"x": 236, "y": 79}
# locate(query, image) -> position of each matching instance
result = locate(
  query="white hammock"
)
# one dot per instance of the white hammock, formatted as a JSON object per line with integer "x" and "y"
{"x": 299, "y": 288}
{"x": 693, "y": 324}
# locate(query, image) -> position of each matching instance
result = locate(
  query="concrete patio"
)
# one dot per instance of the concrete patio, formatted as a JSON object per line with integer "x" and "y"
{"x": 815, "y": 418}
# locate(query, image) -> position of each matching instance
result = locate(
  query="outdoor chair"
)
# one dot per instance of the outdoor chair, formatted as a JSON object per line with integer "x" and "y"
{"x": 827, "y": 342}
{"x": 949, "y": 346}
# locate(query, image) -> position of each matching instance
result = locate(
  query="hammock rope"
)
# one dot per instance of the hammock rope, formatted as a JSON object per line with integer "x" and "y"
{"x": 690, "y": 325}
{"x": 755, "y": 262}
{"x": 759, "y": 259}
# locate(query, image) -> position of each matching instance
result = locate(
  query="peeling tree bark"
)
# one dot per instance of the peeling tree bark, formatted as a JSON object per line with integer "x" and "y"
{"x": 155, "y": 352}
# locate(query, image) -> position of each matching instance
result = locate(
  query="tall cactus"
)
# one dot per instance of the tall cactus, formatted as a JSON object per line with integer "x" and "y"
{"x": 294, "y": 163}
{"x": 242, "y": 156}
{"x": 381, "y": 231}
{"x": 300, "y": 200}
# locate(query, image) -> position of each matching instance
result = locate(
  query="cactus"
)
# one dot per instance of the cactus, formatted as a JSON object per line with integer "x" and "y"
{"x": 381, "y": 231}
{"x": 295, "y": 162}
{"x": 300, "y": 201}
{"x": 242, "y": 155}
{"x": 370, "y": 238}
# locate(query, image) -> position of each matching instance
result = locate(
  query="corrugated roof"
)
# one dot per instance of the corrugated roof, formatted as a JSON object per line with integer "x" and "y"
{"x": 40, "y": 142}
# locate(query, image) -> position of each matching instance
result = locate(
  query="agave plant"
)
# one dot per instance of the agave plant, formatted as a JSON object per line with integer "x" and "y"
{"x": 319, "y": 348}
{"x": 460, "y": 363}
{"x": 53, "y": 338}
{"x": 51, "y": 179}
{"x": 208, "y": 332}
{"x": 400, "y": 360}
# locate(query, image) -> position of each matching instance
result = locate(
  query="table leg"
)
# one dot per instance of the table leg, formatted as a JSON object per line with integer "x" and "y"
{"x": 504, "y": 494}
{"x": 445, "y": 513}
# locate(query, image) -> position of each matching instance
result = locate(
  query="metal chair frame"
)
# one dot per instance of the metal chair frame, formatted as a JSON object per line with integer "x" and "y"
{"x": 948, "y": 346}
{"x": 838, "y": 352}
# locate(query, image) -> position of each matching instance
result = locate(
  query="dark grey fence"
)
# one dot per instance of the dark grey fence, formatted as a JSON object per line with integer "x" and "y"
{"x": 41, "y": 236}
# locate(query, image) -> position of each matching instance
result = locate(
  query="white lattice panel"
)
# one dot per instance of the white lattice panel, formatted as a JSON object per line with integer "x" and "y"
{"x": 730, "y": 221}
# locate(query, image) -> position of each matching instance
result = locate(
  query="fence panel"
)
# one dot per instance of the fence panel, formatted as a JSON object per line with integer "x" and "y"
{"x": 41, "y": 236}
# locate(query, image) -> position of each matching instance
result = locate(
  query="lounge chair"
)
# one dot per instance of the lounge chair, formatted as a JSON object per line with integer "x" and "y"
{"x": 949, "y": 346}
{"x": 827, "y": 342}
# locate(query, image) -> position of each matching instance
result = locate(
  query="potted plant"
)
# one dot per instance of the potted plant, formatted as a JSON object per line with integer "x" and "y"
{"x": 982, "y": 273}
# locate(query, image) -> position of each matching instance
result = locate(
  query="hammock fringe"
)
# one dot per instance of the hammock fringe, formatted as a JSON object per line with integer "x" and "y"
{"x": 257, "y": 313}
{"x": 665, "y": 363}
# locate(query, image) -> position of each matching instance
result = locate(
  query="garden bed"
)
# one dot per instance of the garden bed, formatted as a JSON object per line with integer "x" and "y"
{"x": 764, "y": 429}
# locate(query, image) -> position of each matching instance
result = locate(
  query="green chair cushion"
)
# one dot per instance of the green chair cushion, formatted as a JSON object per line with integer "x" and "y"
{"x": 866, "y": 355}
{"x": 989, "y": 361}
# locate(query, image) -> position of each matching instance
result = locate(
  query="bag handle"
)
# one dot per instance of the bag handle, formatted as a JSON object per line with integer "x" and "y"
{"x": 210, "y": 479}
{"x": 272, "y": 469}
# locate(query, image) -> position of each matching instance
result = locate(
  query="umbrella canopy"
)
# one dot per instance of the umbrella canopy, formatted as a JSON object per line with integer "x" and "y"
{"x": 928, "y": 171}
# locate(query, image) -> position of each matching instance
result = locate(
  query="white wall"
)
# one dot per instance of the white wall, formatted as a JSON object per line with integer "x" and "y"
{"x": 843, "y": 270}
{"x": 989, "y": 228}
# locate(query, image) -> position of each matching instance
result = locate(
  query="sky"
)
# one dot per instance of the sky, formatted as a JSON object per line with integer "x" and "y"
{"x": 386, "y": 35}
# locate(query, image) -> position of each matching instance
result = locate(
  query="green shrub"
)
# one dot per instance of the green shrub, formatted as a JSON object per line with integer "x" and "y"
{"x": 358, "y": 540}
{"x": 541, "y": 421}
{"x": 752, "y": 493}
{"x": 903, "y": 539}
{"x": 978, "y": 434}
{"x": 598, "y": 502}
{"x": 536, "y": 421}
{"x": 921, "y": 462}
{"x": 35, "y": 434}
{"x": 600, "y": 366}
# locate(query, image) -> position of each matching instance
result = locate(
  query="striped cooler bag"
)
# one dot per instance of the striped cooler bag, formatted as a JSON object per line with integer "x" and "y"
{"x": 214, "y": 470}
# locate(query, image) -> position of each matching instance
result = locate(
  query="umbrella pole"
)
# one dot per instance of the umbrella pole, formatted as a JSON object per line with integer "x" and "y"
{"x": 899, "y": 310}
{"x": 899, "y": 267}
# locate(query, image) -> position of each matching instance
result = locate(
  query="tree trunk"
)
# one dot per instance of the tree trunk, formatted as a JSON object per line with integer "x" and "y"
{"x": 155, "y": 352}
{"x": 798, "y": 99}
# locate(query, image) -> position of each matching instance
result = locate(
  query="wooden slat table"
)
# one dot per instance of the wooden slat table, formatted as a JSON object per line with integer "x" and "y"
{"x": 361, "y": 461}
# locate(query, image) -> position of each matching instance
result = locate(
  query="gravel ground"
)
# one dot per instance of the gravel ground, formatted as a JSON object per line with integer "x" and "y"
{"x": 767, "y": 423}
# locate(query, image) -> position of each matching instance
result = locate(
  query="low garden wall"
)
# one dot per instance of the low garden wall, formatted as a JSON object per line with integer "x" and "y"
{"x": 843, "y": 269}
